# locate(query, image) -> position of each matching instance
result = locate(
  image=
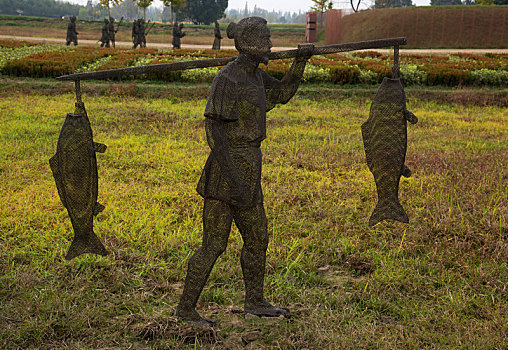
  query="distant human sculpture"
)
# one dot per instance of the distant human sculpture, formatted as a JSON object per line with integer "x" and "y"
{"x": 105, "y": 34}
{"x": 218, "y": 37}
{"x": 230, "y": 183}
{"x": 177, "y": 35}
{"x": 138, "y": 33}
{"x": 111, "y": 31}
{"x": 72, "y": 34}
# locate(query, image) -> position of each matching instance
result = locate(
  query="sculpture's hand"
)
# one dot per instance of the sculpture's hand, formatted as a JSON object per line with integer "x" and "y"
{"x": 304, "y": 52}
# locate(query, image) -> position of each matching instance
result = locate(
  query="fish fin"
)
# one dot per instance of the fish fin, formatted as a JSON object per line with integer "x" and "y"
{"x": 91, "y": 245}
{"x": 410, "y": 117}
{"x": 406, "y": 172}
{"x": 100, "y": 147}
{"x": 98, "y": 208}
{"x": 388, "y": 210}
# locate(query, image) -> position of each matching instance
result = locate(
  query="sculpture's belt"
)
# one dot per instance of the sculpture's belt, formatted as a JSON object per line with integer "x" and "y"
{"x": 253, "y": 144}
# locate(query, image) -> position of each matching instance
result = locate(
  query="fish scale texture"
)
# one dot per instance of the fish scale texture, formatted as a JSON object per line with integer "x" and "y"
{"x": 74, "y": 168}
{"x": 385, "y": 142}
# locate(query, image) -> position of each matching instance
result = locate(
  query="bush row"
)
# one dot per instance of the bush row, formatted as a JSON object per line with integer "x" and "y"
{"x": 368, "y": 67}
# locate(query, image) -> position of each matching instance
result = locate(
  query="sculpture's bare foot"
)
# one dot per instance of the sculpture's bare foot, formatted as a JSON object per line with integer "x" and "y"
{"x": 194, "y": 318}
{"x": 265, "y": 309}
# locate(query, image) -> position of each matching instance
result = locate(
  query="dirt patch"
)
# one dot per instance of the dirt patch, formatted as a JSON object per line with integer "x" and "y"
{"x": 171, "y": 327}
{"x": 360, "y": 264}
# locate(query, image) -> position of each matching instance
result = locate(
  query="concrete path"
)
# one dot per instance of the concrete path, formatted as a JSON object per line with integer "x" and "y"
{"x": 125, "y": 44}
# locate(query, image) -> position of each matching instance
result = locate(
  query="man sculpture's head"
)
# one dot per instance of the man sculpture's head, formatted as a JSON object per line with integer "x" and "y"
{"x": 252, "y": 37}
{"x": 73, "y": 19}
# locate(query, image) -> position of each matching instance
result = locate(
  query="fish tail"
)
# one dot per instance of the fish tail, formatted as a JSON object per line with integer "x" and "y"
{"x": 388, "y": 209}
{"x": 90, "y": 244}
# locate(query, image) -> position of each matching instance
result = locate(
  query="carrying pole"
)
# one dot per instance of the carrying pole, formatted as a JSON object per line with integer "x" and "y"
{"x": 215, "y": 62}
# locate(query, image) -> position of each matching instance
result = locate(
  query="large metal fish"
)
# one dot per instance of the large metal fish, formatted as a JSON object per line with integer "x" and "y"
{"x": 385, "y": 142}
{"x": 74, "y": 168}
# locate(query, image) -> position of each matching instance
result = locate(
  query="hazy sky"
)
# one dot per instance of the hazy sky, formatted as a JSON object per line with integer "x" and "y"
{"x": 284, "y": 5}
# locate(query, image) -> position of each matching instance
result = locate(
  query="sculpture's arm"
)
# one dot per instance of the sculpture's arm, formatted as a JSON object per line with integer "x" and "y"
{"x": 281, "y": 91}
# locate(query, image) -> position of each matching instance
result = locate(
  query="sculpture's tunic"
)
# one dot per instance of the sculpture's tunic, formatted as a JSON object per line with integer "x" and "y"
{"x": 239, "y": 99}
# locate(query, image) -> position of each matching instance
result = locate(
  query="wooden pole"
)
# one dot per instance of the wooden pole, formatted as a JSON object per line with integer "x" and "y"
{"x": 215, "y": 62}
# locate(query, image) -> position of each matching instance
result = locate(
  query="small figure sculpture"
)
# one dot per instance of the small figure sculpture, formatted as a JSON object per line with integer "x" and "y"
{"x": 111, "y": 31}
{"x": 138, "y": 33}
{"x": 72, "y": 35}
{"x": 105, "y": 34}
{"x": 230, "y": 183}
{"x": 177, "y": 34}
{"x": 218, "y": 37}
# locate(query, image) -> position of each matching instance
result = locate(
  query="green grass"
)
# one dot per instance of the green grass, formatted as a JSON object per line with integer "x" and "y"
{"x": 439, "y": 282}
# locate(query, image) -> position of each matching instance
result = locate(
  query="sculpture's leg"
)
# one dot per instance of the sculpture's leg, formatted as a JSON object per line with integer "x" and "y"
{"x": 217, "y": 219}
{"x": 252, "y": 224}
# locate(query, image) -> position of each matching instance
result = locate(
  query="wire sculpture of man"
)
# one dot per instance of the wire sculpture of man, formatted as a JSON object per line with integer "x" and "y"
{"x": 230, "y": 183}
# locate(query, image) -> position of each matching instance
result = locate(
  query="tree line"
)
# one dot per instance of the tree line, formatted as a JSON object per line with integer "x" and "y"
{"x": 42, "y": 8}
{"x": 271, "y": 16}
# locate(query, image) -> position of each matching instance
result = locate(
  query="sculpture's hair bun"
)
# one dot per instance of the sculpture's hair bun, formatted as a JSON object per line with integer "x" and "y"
{"x": 231, "y": 29}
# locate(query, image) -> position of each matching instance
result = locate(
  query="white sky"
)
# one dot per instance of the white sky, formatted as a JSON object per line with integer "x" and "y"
{"x": 284, "y": 5}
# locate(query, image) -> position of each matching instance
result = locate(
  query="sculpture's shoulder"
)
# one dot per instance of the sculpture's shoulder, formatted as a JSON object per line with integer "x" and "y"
{"x": 231, "y": 73}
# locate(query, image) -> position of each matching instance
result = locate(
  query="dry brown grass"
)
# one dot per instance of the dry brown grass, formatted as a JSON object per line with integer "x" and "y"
{"x": 436, "y": 27}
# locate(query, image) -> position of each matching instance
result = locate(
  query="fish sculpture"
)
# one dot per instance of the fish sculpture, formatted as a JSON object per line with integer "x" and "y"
{"x": 74, "y": 168}
{"x": 385, "y": 143}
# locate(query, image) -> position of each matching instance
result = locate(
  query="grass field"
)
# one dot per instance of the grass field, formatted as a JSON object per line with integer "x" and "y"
{"x": 439, "y": 282}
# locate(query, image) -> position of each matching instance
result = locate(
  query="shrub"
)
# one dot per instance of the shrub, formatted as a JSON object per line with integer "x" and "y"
{"x": 345, "y": 74}
{"x": 490, "y": 77}
{"x": 316, "y": 74}
{"x": 411, "y": 75}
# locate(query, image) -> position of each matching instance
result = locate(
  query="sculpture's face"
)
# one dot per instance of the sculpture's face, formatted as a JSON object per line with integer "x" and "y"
{"x": 256, "y": 41}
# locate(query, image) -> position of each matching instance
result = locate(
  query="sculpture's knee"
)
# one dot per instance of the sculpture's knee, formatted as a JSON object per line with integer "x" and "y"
{"x": 217, "y": 248}
{"x": 257, "y": 243}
